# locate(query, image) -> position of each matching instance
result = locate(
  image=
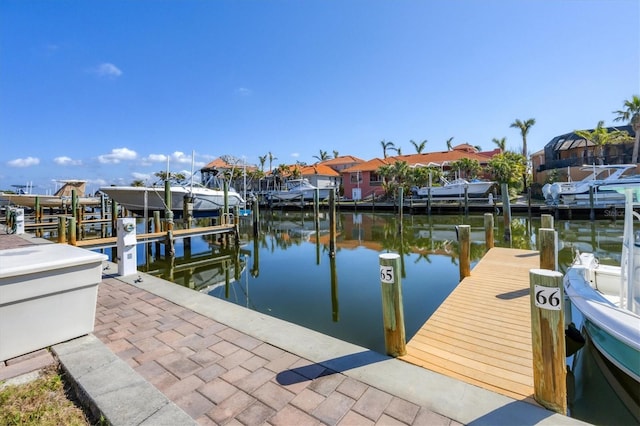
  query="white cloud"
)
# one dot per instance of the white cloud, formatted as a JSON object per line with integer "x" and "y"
{"x": 108, "y": 70}
{"x": 243, "y": 91}
{"x": 117, "y": 155}
{"x": 295, "y": 154}
{"x": 66, "y": 161}
{"x": 156, "y": 158}
{"x": 24, "y": 162}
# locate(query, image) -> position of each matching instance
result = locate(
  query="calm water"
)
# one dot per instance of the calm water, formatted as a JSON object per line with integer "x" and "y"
{"x": 287, "y": 272}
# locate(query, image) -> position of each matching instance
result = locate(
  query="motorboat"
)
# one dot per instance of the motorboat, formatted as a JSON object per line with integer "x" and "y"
{"x": 297, "y": 189}
{"x": 456, "y": 188}
{"x": 206, "y": 201}
{"x": 575, "y": 192}
{"x": 608, "y": 300}
{"x": 61, "y": 198}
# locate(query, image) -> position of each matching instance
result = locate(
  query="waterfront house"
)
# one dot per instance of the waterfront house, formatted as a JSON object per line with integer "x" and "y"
{"x": 363, "y": 181}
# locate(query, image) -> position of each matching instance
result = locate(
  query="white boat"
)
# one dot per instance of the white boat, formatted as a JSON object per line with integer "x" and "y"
{"x": 574, "y": 192}
{"x": 61, "y": 198}
{"x": 608, "y": 299}
{"x": 456, "y": 188}
{"x": 296, "y": 189}
{"x": 206, "y": 201}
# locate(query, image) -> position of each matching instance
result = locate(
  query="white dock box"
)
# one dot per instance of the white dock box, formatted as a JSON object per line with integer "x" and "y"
{"x": 48, "y": 294}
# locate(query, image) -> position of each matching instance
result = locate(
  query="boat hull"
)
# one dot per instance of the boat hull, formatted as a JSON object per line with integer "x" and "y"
{"x": 474, "y": 189}
{"x": 139, "y": 199}
{"x": 304, "y": 194}
{"x": 615, "y": 332}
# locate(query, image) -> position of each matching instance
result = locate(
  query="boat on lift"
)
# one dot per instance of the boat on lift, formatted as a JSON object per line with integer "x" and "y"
{"x": 608, "y": 299}
{"x": 575, "y": 192}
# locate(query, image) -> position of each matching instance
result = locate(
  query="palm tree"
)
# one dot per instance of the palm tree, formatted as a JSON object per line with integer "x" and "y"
{"x": 271, "y": 158}
{"x": 262, "y": 159}
{"x": 524, "y": 127}
{"x": 600, "y": 137}
{"x": 336, "y": 154}
{"x": 449, "y": 144}
{"x": 323, "y": 156}
{"x": 501, "y": 143}
{"x": 385, "y": 146}
{"x": 631, "y": 113}
{"x": 418, "y": 146}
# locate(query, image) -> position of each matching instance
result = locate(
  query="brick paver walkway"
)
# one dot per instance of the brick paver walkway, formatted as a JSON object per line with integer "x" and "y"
{"x": 219, "y": 375}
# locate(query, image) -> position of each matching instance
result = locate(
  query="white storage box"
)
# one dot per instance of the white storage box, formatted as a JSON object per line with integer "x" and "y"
{"x": 48, "y": 294}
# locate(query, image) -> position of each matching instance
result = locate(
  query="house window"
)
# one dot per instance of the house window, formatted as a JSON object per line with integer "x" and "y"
{"x": 375, "y": 178}
{"x": 356, "y": 177}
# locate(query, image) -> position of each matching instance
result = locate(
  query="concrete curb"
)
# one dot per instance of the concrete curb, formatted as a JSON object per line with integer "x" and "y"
{"x": 111, "y": 389}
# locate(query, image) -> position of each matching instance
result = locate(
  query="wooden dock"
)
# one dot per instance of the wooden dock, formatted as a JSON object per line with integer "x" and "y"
{"x": 93, "y": 243}
{"x": 481, "y": 334}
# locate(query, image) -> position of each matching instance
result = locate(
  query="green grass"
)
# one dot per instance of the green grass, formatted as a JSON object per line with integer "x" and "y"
{"x": 46, "y": 401}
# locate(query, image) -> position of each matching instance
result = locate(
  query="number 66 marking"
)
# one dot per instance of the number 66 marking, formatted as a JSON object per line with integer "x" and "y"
{"x": 547, "y": 298}
{"x": 386, "y": 274}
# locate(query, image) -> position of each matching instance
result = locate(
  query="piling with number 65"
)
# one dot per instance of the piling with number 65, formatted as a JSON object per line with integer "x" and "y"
{"x": 392, "y": 310}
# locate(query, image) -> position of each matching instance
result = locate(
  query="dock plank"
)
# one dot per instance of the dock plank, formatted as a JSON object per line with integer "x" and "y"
{"x": 481, "y": 333}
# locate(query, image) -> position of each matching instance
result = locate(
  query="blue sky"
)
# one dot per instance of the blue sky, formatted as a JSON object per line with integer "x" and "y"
{"x": 107, "y": 90}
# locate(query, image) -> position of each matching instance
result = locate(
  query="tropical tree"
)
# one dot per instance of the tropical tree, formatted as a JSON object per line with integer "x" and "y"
{"x": 478, "y": 148}
{"x": 395, "y": 175}
{"x": 467, "y": 167}
{"x": 173, "y": 177}
{"x": 419, "y": 146}
{"x": 386, "y": 145}
{"x": 262, "y": 159}
{"x": 336, "y": 154}
{"x": 271, "y": 158}
{"x": 137, "y": 182}
{"x": 631, "y": 113}
{"x": 600, "y": 136}
{"x": 450, "y": 144}
{"x": 323, "y": 156}
{"x": 500, "y": 143}
{"x": 524, "y": 127}
{"x": 507, "y": 167}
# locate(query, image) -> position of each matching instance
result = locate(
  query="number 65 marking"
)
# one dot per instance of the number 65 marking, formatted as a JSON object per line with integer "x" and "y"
{"x": 547, "y": 298}
{"x": 386, "y": 274}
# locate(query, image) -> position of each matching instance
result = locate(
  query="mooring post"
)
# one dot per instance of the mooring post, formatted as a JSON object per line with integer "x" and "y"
{"x": 592, "y": 212}
{"x": 464, "y": 248}
{"x": 400, "y": 208}
{"x": 38, "y": 211}
{"x": 392, "y": 310}
{"x": 62, "y": 229}
{"x": 506, "y": 211}
{"x": 72, "y": 231}
{"x": 488, "y": 231}
{"x": 546, "y": 221}
{"x": 548, "y": 249}
{"x": 548, "y": 339}
{"x": 466, "y": 200}
{"x": 256, "y": 217}
{"x": 332, "y": 223}
{"x": 114, "y": 217}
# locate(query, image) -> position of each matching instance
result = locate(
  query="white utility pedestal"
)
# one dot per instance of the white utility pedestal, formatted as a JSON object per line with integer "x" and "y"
{"x": 18, "y": 220}
{"x": 127, "y": 258}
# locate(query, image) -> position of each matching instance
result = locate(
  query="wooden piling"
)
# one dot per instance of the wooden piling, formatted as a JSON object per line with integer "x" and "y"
{"x": 488, "y": 231}
{"x": 592, "y": 212}
{"x": 255, "y": 210}
{"x": 548, "y": 339}
{"x": 464, "y": 248}
{"x": 62, "y": 229}
{"x": 392, "y": 310}
{"x": 400, "y": 208}
{"x": 546, "y": 221}
{"x": 548, "y": 249}
{"x": 72, "y": 231}
{"x": 332, "y": 223}
{"x": 466, "y": 200}
{"x": 506, "y": 211}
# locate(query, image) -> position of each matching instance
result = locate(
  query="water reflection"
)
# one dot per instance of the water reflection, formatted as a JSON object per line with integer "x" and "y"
{"x": 290, "y": 279}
